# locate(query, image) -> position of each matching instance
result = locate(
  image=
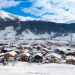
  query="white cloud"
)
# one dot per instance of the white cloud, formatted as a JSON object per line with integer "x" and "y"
{"x": 38, "y": 7}
{"x": 53, "y": 10}
{"x": 8, "y": 3}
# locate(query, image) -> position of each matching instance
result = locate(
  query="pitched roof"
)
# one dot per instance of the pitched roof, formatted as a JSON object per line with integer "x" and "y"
{"x": 13, "y": 53}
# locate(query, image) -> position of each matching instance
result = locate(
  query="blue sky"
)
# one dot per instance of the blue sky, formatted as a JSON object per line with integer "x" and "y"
{"x": 51, "y": 10}
{"x": 17, "y": 9}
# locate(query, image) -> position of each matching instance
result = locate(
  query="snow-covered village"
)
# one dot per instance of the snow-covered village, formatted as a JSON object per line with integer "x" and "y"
{"x": 38, "y": 51}
{"x": 35, "y": 56}
{"x": 37, "y": 37}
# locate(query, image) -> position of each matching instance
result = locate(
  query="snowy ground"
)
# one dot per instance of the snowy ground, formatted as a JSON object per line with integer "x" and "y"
{"x": 22, "y": 68}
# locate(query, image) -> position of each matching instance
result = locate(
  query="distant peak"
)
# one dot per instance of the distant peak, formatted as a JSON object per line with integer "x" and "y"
{"x": 4, "y": 15}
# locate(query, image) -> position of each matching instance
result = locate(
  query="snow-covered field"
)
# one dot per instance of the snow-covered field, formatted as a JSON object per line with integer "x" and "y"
{"x": 22, "y": 68}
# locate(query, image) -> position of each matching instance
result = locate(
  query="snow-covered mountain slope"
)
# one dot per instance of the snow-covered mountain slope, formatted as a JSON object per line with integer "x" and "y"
{"x": 5, "y": 15}
{"x": 10, "y": 35}
{"x": 13, "y": 27}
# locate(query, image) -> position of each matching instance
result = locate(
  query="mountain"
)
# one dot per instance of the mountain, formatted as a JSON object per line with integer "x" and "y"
{"x": 8, "y": 16}
{"x": 22, "y": 27}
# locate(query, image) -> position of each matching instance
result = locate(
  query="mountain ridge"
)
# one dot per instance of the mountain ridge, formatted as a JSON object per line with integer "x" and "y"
{"x": 32, "y": 28}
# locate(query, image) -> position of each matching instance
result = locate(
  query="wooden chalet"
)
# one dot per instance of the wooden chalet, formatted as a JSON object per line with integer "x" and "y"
{"x": 10, "y": 56}
{"x": 24, "y": 56}
{"x": 70, "y": 59}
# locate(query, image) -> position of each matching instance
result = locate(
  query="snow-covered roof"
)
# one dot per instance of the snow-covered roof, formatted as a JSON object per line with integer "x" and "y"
{"x": 56, "y": 55}
{"x": 26, "y": 50}
{"x": 48, "y": 54}
{"x": 70, "y": 57}
{"x": 66, "y": 49}
{"x": 1, "y": 54}
{"x": 45, "y": 49}
{"x": 14, "y": 45}
{"x": 7, "y": 48}
{"x": 26, "y": 46}
{"x": 15, "y": 49}
{"x": 40, "y": 54}
{"x": 26, "y": 53}
{"x": 13, "y": 53}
